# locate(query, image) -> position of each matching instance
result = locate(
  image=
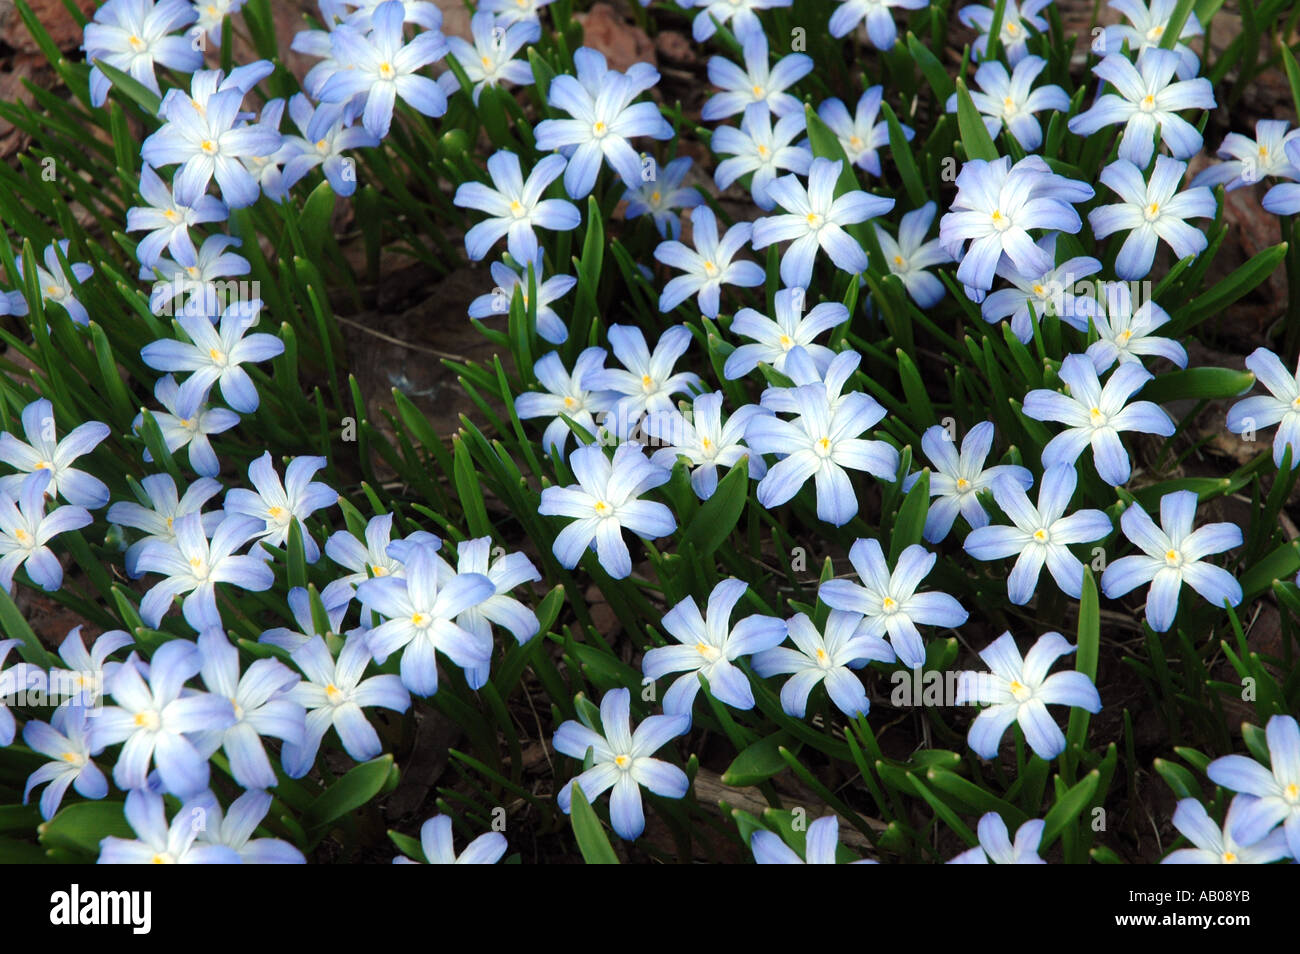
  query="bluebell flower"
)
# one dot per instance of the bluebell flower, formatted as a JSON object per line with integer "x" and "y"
{"x": 1051, "y": 292}
{"x": 155, "y": 718}
{"x": 1039, "y": 534}
{"x": 822, "y": 840}
{"x": 203, "y": 286}
{"x": 569, "y": 394}
{"x": 160, "y": 843}
{"x": 1173, "y": 554}
{"x": 207, "y": 83}
{"x": 261, "y": 704}
{"x": 156, "y": 513}
{"x": 758, "y": 82}
{"x": 55, "y": 285}
{"x": 1219, "y": 846}
{"x": 881, "y": 29}
{"x": 1151, "y": 211}
{"x": 267, "y": 171}
{"x": 1270, "y": 796}
{"x": 646, "y": 382}
{"x": 762, "y": 149}
{"x": 1017, "y": 19}
{"x": 1009, "y": 99}
{"x": 1146, "y": 29}
{"x": 709, "y": 265}
{"x": 742, "y": 15}
{"x": 622, "y": 760}
{"x": 515, "y": 206}
{"x": 233, "y": 829}
{"x": 814, "y": 219}
{"x": 1146, "y": 98}
{"x": 827, "y": 657}
{"x": 65, "y": 741}
{"x": 328, "y": 131}
{"x": 863, "y": 134}
{"x": 26, "y": 529}
{"x": 1020, "y": 690}
{"x": 420, "y": 611}
{"x": 1252, "y": 160}
{"x": 334, "y": 695}
{"x": 45, "y": 453}
{"x": 168, "y": 222}
{"x": 996, "y": 206}
{"x": 279, "y": 504}
{"x": 704, "y": 440}
{"x": 188, "y": 420}
{"x": 300, "y": 608}
{"x": 911, "y": 255}
{"x": 135, "y": 36}
{"x": 603, "y": 503}
{"x": 515, "y": 11}
{"x": 775, "y": 339}
{"x": 1125, "y": 333}
{"x": 662, "y": 195}
{"x": 821, "y": 443}
{"x": 995, "y": 845}
{"x": 598, "y": 128}
{"x": 550, "y": 327}
{"x": 1095, "y": 415}
{"x": 801, "y": 368}
{"x": 383, "y": 67}
{"x": 90, "y": 670}
{"x": 709, "y": 646}
{"x": 193, "y": 566}
{"x": 489, "y": 61}
{"x": 1280, "y": 406}
{"x": 436, "y": 843}
{"x": 887, "y": 599}
{"x": 363, "y": 559}
{"x": 957, "y": 479}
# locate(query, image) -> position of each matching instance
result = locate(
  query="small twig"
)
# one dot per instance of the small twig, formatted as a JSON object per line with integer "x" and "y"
{"x": 398, "y": 341}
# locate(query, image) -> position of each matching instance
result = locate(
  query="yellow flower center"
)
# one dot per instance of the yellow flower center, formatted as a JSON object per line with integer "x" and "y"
{"x": 623, "y": 761}
{"x": 1000, "y": 221}
{"x": 1148, "y": 104}
{"x": 710, "y": 269}
{"x": 1013, "y": 28}
{"x": 757, "y": 91}
{"x": 823, "y": 660}
{"x": 602, "y": 508}
{"x": 656, "y": 196}
{"x": 815, "y": 221}
{"x": 1152, "y": 212}
{"x": 21, "y": 535}
{"x": 963, "y": 483}
{"x": 334, "y": 694}
{"x": 170, "y": 215}
{"x": 419, "y": 619}
{"x": 487, "y": 62}
{"x": 163, "y": 858}
{"x": 1019, "y": 690}
{"x": 855, "y": 142}
{"x": 137, "y": 44}
{"x": 208, "y": 146}
{"x": 1008, "y": 105}
{"x": 570, "y": 402}
{"x": 516, "y": 208}
{"x": 1173, "y": 558}
{"x": 72, "y": 758}
{"x": 1229, "y": 857}
{"x": 1123, "y": 336}
{"x": 599, "y": 129}
{"x": 889, "y": 604}
{"x": 386, "y": 71}
{"x": 1041, "y": 535}
{"x": 647, "y": 382}
{"x": 148, "y": 719}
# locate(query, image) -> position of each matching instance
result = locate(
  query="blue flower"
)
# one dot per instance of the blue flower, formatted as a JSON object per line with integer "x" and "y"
{"x": 709, "y": 265}
{"x": 828, "y": 658}
{"x": 65, "y": 741}
{"x": 436, "y": 843}
{"x": 1145, "y": 99}
{"x": 278, "y": 505}
{"x": 995, "y": 845}
{"x": 233, "y": 830}
{"x": 1008, "y": 99}
{"x": 134, "y": 36}
{"x": 188, "y": 419}
{"x": 758, "y": 82}
{"x": 1020, "y": 690}
{"x": 1051, "y": 292}
{"x": 802, "y": 369}
{"x": 704, "y": 441}
{"x": 622, "y": 760}
{"x": 569, "y": 394}
{"x": 381, "y": 66}
{"x": 887, "y": 600}
{"x": 515, "y": 207}
{"x": 334, "y": 694}
{"x": 327, "y": 132}
{"x": 1095, "y": 415}
{"x": 261, "y": 705}
{"x": 1173, "y": 554}
{"x": 823, "y": 838}
{"x": 861, "y": 135}
{"x": 1215, "y": 846}
{"x": 192, "y": 565}
{"x": 661, "y": 195}
{"x": 89, "y": 672}
{"x": 1146, "y": 29}
{"x": 1271, "y": 796}
{"x": 364, "y": 560}
{"x": 159, "y": 843}
{"x": 762, "y": 149}
{"x": 43, "y": 452}
{"x": 1013, "y": 37}
{"x": 55, "y": 285}
{"x": 168, "y": 221}
{"x": 957, "y": 479}
{"x": 814, "y": 219}
{"x": 158, "y": 509}
{"x": 1151, "y": 211}
{"x": 646, "y": 382}
{"x": 775, "y": 340}
{"x": 1124, "y": 332}
{"x": 515, "y": 11}
{"x": 911, "y": 255}
{"x": 742, "y": 14}
{"x": 489, "y": 61}
{"x": 599, "y": 127}
{"x": 300, "y": 608}
{"x": 497, "y": 302}
{"x": 1253, "y": 160}
{"x": 879, "y": 21}
{"x": 709, "y": 647}
{"x": 1039, "y": 534}
{"x": 1280, "y": 406}
{"x": 603, "y": 503}
{"x": 212, "y": 17}
{"x": 267, "y": 171}
{"x": 25, "y": 529}
{"x": 823, "y": 443}
{"x": 156, "y": 718}
{"x": 12, "y": 681}
{"x": 199, "y": 284}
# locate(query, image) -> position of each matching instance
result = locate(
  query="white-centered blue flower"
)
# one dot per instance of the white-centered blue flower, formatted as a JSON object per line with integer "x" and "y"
{"x": 828, "y": 657}
{"x": 136, "y": 36}
{"x": 278, "y": 504}
{"x": 515, "y": 206}
{"x": 774, "y": 339}
{"x": 168, "y": 222}
{"x": 603, "y": 503}
{"x": 187, "y": 420}
{"x": 204, "y": 286}
{"x": 364, "y": 560}
{"x": 1173, "y": 554}
{"x": 802, "y": 369}
{"x": 489, "y": 61}
{"x": 815, "y": 219}
{"x": 995, "y": 845}
{"x": 12, "y": 681}
{"x": 1009, "y": 99}
{"x": 623, "y": 761}
{"x": 212, "y": 17}
{"x": 1219, "y": 846}
{"x": 438, "y": 848}
{"x": 1095, "y": 415}
{"x": 515, "y": 11}
{"x": 1125, "y": 332}
{"x": 758, "y": 82}
{"x": 820, "y": 844}
{"x": 65, "y": 741}
{"x": 159, "y": 843}
{"x": 1038, "y": 535}
{"x": 911, "y": 255}
{"x": 1017, "y": 21}
{"x": 328, "y": 131}
{"x": 234, "y": 828}
{"x": 1048, "y": 293}
{"x": 659, "y": 193}
{"x": 550, "y": 326}
{"x": 761, "y": 149}
{"x": 709, "y": 265}
{"x": 709, "y": 647}
{"x": 90, "y": 670}
{"x": 300, "y": 608}
{"x": 1146, "y": 28}
{"x": 957, "y": 479}
{"x": 1270, "y": 795}
{"x": 54, "y": 284}
{"x": 881, "y": 29}
{"x": 704, "y": 440}
{"x": 740, "y": 15}
{"x": 646, "y": 382}
{"x": 1020, "y": 690}
{"x": 42, "y": 451}
{"x": 863, "y": 134}
{"x": 1280, "y": 406}
{"x": 1146, "y": 100}
{"x": 1284, "y": 198}
{"x": 159, "y": 506}
{"x": 888, "y": 601}
{"x": 1248, "y": 161}
{"x": 571, "y": 395}
{"x": 26, "y": 530}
